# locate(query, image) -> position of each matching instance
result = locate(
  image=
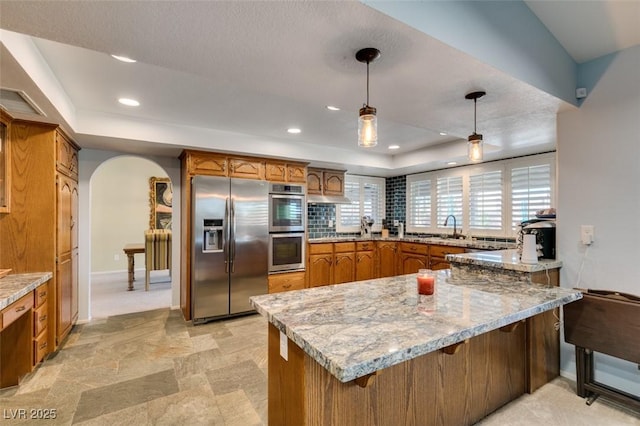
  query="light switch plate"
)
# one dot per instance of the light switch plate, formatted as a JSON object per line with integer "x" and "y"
{"x": 587, "y": 234}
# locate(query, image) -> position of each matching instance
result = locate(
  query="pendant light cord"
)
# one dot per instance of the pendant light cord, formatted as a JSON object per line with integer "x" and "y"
{"x": 475, "y": 101}
{"x": 367, "y": 83}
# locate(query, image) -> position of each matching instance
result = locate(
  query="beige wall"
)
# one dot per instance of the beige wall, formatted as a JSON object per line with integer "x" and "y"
{"x": 120, "y": 210}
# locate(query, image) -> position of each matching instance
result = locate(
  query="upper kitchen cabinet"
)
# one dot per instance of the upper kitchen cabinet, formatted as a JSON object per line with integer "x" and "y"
{"x": 325, "y": 182}
{"x": 5, "y": 163}
{"x": 280, "y": 171}
{"x": 40, "y": 234}
{"x": 248, "y": 168}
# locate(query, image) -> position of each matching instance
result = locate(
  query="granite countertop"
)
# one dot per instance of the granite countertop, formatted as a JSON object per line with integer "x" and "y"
{"x": 472, "y": 244}
{"x": 13, "y": 287}
{"x": 358, "y": 328}
{"x": 502, "y": 259}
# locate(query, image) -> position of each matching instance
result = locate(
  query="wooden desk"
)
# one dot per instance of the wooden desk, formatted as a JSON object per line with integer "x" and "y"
{"x": 130, "y": 250}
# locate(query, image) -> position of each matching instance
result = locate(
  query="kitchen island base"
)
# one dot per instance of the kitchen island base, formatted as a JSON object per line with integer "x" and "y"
{"x": 459, "y": 384}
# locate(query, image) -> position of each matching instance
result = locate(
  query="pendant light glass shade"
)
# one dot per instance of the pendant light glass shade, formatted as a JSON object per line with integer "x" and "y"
{"x": 367, "y": 127}
{"x": 367, "y": 120}
{"x": 475, "y": 139}
{"x": 475, "y": 147}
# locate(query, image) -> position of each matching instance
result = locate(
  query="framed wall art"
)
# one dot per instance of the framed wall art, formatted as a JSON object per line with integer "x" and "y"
{"x": 160, "y": 201}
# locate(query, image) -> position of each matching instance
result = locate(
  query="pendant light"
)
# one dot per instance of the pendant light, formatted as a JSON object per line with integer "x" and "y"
{"x": 475, "y": 139}
{"x": 367, "y": 120}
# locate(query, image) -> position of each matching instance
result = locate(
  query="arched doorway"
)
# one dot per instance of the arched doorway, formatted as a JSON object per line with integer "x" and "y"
{"x": 120, "y": 212}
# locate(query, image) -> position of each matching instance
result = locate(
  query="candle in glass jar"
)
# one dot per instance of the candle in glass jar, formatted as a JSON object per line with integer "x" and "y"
{"x": 426, "y": 282}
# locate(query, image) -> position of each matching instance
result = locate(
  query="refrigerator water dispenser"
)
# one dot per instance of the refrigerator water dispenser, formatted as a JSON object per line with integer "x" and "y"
{"x": 213, "y": 237}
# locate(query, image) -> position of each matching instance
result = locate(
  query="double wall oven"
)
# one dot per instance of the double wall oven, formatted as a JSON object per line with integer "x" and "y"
{"x": 287, "y": 225}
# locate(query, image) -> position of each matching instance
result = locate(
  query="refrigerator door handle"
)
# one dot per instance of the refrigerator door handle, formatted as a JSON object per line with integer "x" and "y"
{"x": 232, "y": 241}
{"x": 225, "y": 230}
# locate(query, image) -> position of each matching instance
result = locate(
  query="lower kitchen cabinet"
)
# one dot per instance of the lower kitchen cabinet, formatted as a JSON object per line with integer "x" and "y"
{"x": 320, "y": 264}
{"x": 413, "y": 257}
{"x": 387, "y": 252}
{"x": 365, "y": 260}
{"x": 437, "y": 255}
{"x": 344, "y": 262}
{"x": 286, "y": 281}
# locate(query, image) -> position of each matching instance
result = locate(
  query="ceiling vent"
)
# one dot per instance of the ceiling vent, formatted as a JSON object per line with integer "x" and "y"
{"x": 16, "y": 101}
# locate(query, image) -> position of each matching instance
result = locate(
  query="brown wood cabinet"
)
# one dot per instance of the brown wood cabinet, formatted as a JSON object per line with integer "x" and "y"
{"x": 277, "y": 171}
{"x": 365, "y": 260}
{"x": 413, "y": 257}
{"x": 344, "y": 260}
{"x": 438, "y": 253}
{"x": 286, "y": 281}
{"x": 320, "y": 264}
{"x": 325, "y": 182}
{"x": 41, "y": 233}
{"x": 40, "y": 323}
{"x": 248, "y": 168}
{"x": 387, "y": 258}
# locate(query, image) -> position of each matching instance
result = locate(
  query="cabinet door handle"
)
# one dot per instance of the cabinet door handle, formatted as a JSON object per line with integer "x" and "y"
{"x": 43, "y": 318}
{"x": 43, "y": 294}
{"x": 43, "y": 345}
{"x": 21, "y": 308}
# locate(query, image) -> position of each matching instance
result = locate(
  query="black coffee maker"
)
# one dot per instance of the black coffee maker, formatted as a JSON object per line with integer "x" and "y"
{"x": 545, "y": 232}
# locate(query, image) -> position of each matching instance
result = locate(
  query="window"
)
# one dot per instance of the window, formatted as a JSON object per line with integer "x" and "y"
{"x": 449, "y": 200}
{"x": 530, "y": 191}
{"x": 367, "y": 195}
{"x": 418, "y": 204}
{"x": 489, "y": 199}
{"x": 485, "y": 201}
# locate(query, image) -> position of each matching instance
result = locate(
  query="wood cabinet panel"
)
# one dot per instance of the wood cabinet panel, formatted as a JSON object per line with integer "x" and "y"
{"x": 209, "y": 164}
{"x": 344, "y": 267}
{"x": 344, "y": 247}
{"x": 297, "y": 173}
{"x": 320, "y": 269}
{"x": 415, "y": 248}
{"x": 318, "y": 248}
{"x": 276, "y": 172}
{"x": 314, "y": 181}
{"x": 333, "y": 182}
{"x": 248, "y": 168}
{"x": 387, "y": 258}
{"x": 365, "y": 265}
{"x": 66, "y": 156}
{"x": 5, "y": 162}
{"x": 17, "y": 309}
{"x": 286, "y": 282}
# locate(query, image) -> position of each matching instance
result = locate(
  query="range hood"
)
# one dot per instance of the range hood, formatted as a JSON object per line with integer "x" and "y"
{"x": 327, "y": 199}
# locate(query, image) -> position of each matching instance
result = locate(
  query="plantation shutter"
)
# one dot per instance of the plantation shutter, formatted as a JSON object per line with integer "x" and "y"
{"x": 449, "y": 200}
{"x": 485, "y": 201}
{"x": 530, "y": 191}
{"x": 418, "y": 205}
{"x": 350, "y": 213}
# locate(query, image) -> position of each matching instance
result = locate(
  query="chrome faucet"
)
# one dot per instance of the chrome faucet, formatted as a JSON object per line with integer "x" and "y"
{"x": 446, "y": 222}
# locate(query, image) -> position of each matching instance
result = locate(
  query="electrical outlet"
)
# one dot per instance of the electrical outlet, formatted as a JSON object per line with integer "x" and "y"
{"x": 330, "y": 223}
{"x": 587, "y": 234}
{"x": 396, "y": 223}
{"x": 116, "y": 257}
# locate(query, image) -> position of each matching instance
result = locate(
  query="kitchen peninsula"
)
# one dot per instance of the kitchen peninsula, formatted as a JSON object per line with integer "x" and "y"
{"x": 375, "y": 352}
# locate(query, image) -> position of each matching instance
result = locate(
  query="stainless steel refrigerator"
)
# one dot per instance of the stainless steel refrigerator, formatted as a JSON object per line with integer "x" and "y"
{"x": 230, "y": 245}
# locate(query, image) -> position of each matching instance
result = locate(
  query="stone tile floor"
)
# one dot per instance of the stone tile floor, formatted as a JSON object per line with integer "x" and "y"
{"x": 154, "y": 368}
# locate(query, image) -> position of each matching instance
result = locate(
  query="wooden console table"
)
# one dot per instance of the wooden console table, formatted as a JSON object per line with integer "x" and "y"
{"x": 130, "y": 250}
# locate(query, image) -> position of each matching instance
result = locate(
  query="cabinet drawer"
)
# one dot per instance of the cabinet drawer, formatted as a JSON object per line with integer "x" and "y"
{"x": 319, "y": 248}
{"x": 40, "y": 348}
{"x": 364, "y": 245}
{"x": 41, "y": 295}
{"x": 442, "y": 251}
{"x": 344, "y": 247}
{"x": 17, "y": 309}
{"x": 40, "y": 319}
{"x": 286, "y": 282}
{"x": 414, "y": 248}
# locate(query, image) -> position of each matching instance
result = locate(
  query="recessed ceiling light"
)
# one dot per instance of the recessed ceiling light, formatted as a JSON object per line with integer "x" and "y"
{"x": 393, "y": 146}
{"x": 124, "y": 59}
{"x": 451, "y": 163}
{"x": 129, "y": 102}
{"x": 443, "y": 133}
{"x": 333, "y": 108}
{"x": 294, "y": 130}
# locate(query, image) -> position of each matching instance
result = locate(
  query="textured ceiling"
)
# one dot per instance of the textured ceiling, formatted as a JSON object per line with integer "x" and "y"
{"x": 233, "y": 76}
